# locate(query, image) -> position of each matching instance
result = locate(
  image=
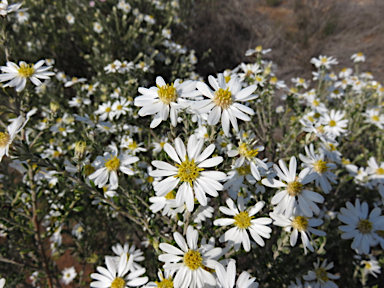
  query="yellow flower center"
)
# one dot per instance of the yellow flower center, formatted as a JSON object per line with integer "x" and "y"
{"x": 108, "y": 109}
{"x": 26, "y": 70}
{"x": 294, "y": 188}
{"x": 132, "y": 145}
{"x": 321, "y": 274}
{"x": 167, "y": 94}
{"x": 61, "y": 129}
{"x": 150, "y": 179}
{"x": 320, "y": 166}
{"x": 300, "y": 223}
{"x": 170, "y": 195}
{"x": 56, "y": 154}
{"x": 380, "y": 171}
{"x": 165, "y": 283}
{"x": 4, "y": 139}
{"x": 112, "y": 164}
{"x": 68, "y": 275}
{"x": 188, "y": 171}
{"x": 332, "y": 123}
{"x": 259, "y": 48}
{"x": 118, "y": 283}
{"x": 375, "y": 118}
{"x": 360, "y": 54}
{"x": 193, "y": 260}
{"x": 247, "y": 152}
{"x": 223, "y": 98}
{"x": 345, "y": 161}
{"x": 367, "y": 265}
{"x": 119, "y": 107}
{"x": 364, "y": 226}
{"x": 242, "y": 220}
{"x": 273, "y": 80}
{"x": 243, "y": 170}
{"x": 315, "y": 103}
{"x": 324, "y": 60}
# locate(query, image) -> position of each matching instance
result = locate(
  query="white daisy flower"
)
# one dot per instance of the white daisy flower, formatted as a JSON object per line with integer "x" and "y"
{"x": 165, "y": 100}
{"x": 361, "y": 227}
{"x": 70, "y": 19}
{"x": 315, "y": 164}
{"x": 68, "y": 275}
{"x": 131, "y": 145}
{"x": 105, "y": 111}
{"x": 321, "y": 276}
{"x": 223, "y": 102}
{"x": 294, "y": 194}
{"x": 109, "y": 165}
{"x": 358, "y": 57}
{"x": 300, "y": 82}
{"x": 114, "y": 276}
{"x": 97, "y": 27}
{"x": 333, "y": 123}
{"x": 371, "y": 267}
{"x": 2, "y": 282}
{"x": 192, "y": 271}
{"x": 243, "y": 222}
{"x": 18, "y": 74}
{"x": 373, "y": 117}
{"x": 166, "y": 280}
{"x": 5, "y": 8}
{"x": 249, "y": 71}
{"x": 258, "y": 50}
{"x": 131, "y": 252}
{"x": 226, "y": 278}
{"x": 324, "y": 61}
{"x": 165, "y": 203}
{"x": 299, "y": 223}
{"x": 247, "y": 151}
{"x": 190, "y": 170}
{"x": 7, "y": 137}
{"x": 375, "y": 172}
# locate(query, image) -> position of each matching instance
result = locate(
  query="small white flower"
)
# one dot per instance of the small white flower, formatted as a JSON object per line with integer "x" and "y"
{"x": 165, "y": 100}
{"x": 294, "y": 194}
{"x": 114, "y": 276}
{"x": 320, "y": 274}
{"x": 371, "y": 267}
{"x": 358, "y": 57}
{"x": 361, "y": 227}
{"x": 190, "y": 170}
{"x": 7, "y": 137}
{"x": 324, "y": 61}
{"x": 226, "y": 278}
{"x": 243, "y": 222}
{"x": 299, "y": 223}
{"x": 333, "y": 123}
{"x": 68, "y": 275}
{"x": 18, "y": 74}
{"x": 133, "y": 255}
{"x": 223, "y": 102}
{"x": 109, "y": 165}
{"x": 315, "y": 164}
{"x": 97, "y": 27}
{"x": 190, "y": 272}
{"x": 70, "y": 19}
{"x": 5, "y": 8}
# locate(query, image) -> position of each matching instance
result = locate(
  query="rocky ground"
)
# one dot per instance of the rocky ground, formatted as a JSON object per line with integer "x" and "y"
{"x": 296, "y": 30}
